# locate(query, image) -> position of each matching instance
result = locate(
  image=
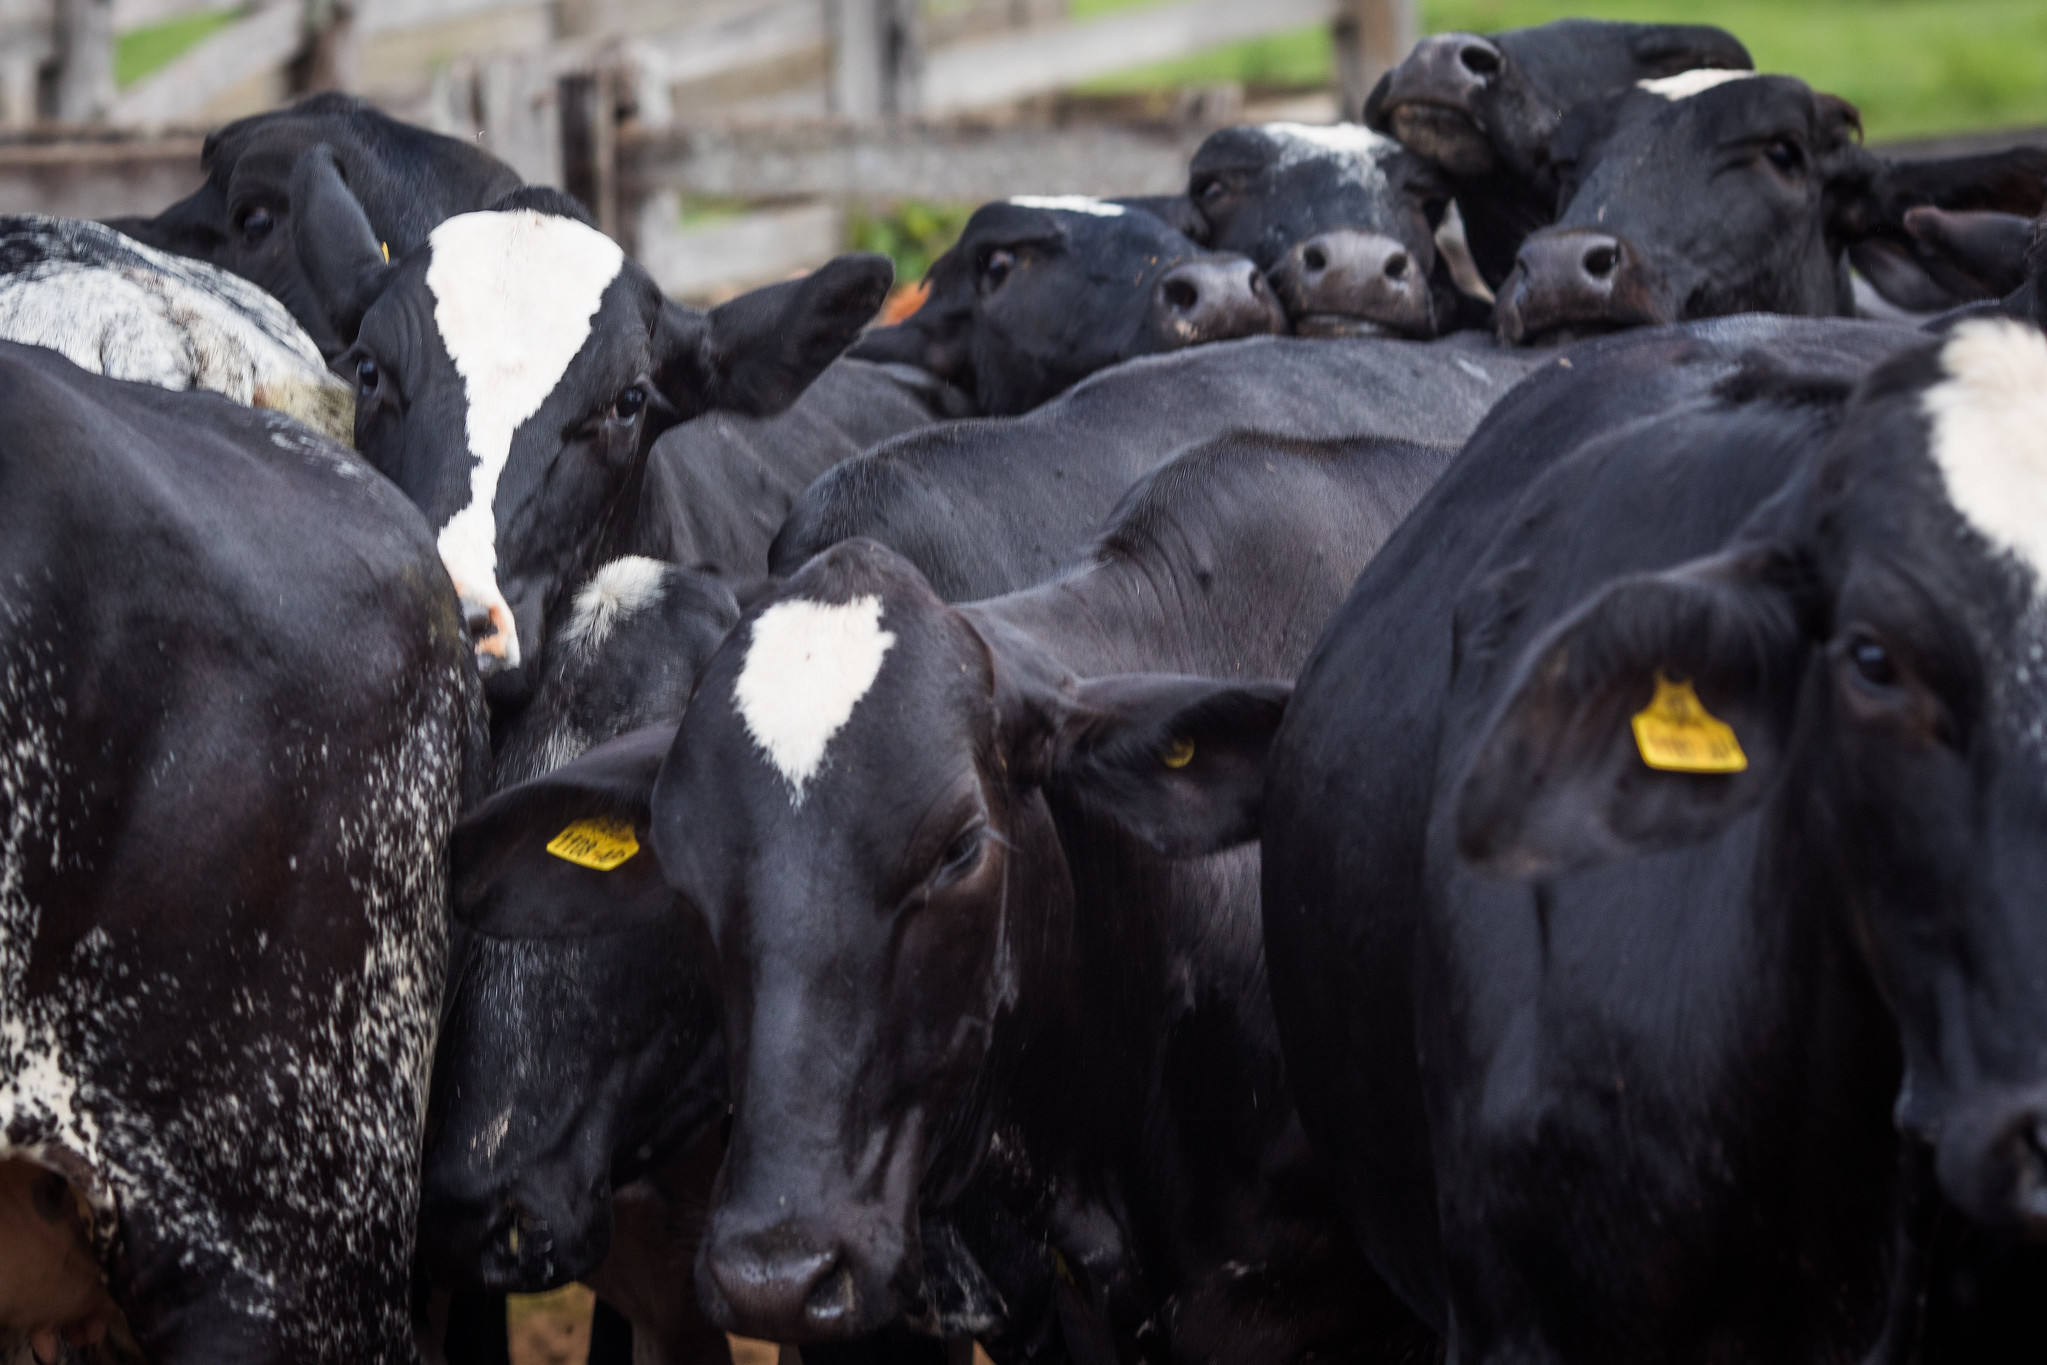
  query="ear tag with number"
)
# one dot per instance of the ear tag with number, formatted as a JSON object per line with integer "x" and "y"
{"x": 1677, "y": 734}
{"x": 387, "y": 251}
{"x": 1178, "y": 754}
{"x": 597, "y": 844}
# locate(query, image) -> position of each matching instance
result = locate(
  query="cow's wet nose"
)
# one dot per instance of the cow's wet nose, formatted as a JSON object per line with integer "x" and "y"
{"x": 492, "y": 633}
{"x": 1215, "y": 300}
{"x": 1347, "y": 281}
{"x": 1574, "y": 280}
{"x": 1995, "y": 1167}
{"x": 782, "y": 1288}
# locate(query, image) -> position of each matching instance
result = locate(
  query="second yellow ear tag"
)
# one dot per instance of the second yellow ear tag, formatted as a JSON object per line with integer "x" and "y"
{"x": 597, "y": 844}
{"x": 1676, "y": 734}
{"x": 1178, "y": 754}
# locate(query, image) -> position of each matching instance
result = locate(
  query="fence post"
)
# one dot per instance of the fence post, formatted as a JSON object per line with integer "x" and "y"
{"x": 877, "y": 58}
{"x": 1371, "y": 37}
{"x": 589, "y": 140}
{"x": 84, "y": 88}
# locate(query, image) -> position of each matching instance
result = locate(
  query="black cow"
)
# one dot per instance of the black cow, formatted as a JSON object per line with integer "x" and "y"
{"x": 245, "y": 217}
{"x": 1039, "y": 293}
{"x": 1484, "y": 110}
{"x": 1645, "y": 1101}
{"x": 238, "y": 721}
{"x": 512, "y": 372}
{"x": 1342, "y": 220}
{"x": 1717, "y": 192}
{"x": 987, "y": 507}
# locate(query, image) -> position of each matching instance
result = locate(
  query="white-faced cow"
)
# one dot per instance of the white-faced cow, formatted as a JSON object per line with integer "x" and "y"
{"x": 513, "y": 371}
{"x": 237, "y": 718}
{"x": 1040, "y": 292}
{"x": 1484, "y": 109}
{"x": 1651, "y": 849}
{"x": 114, "y": 306}
{"x": 1716, "y": 192}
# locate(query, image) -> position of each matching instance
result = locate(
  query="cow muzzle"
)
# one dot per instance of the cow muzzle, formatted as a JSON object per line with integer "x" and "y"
{"x": 1215, "y": 300}
{"x": 1351, "y": 283}
{"x": 795, "y": 1282}
{"x": 1993, "y": 1162}
{"x": 1430, "y": 101}
{"x": 1573, "y": 282}
{"x": 487, "y": 617}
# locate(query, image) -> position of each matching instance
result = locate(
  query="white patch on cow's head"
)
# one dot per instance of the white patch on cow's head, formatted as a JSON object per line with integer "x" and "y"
{"x": 1069, "y": 203}
{"x": 1686, "y": 84}
{"x": 807, "y": 667}
{"x": 514, "y": 294}
{"x": 1989, "y": 437}
{"x": 1357, "y": 146}
{"x": 614, "y": 592}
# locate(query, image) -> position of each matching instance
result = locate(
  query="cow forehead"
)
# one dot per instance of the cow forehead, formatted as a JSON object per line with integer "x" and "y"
{"x": 1069, "y": 203}
{"x": 808, "y": 665}
{"x": 1686, "y": 84}
{"x": 1359, "y": 148}
{"x": 1988, "y": 435}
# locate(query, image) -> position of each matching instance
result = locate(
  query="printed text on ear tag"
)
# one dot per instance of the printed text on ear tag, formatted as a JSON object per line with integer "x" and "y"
{"x": 1676, "y": 734}
{"x": 599, "y": 844}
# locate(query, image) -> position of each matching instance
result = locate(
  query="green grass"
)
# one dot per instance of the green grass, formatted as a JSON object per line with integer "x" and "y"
{"x": 144, "y": 50}
{"x": 1914, "y": 67}
{"x": 913, "y": 234}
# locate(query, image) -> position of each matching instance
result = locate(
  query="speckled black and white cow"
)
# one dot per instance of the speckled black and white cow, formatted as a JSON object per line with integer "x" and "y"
{"x": 513, "y": 371}
{"x": 114, "y": 306}
{"x": 237, "y": 718}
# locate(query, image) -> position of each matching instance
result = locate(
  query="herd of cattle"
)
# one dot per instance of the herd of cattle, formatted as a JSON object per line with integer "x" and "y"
{"x": 1429, "y": 750}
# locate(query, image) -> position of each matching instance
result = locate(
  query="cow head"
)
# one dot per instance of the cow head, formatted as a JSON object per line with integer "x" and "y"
{"x": 860, "y": 803}
{"x": 1340, "y": 218}
{"x": 1877, "y": 640}
{"x": 1038, "y": 294}
{"x": 1485, "y": 109}
{"x": 512, "y": 373}
{"x": 245, "y": 219}
{"x": 1719, "y": 192}
{"x": 579, "y": 1036}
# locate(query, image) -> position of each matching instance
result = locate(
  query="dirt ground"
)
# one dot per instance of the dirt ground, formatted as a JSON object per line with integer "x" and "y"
{"x": 554, "y": 1329}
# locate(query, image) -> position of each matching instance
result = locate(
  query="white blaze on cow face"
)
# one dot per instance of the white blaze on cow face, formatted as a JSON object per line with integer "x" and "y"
{"x": 1357, "y": 146}
{"x": 514, "y": 294}
{"x": 808, "y": 666}
{"x": 1686, "y": 84}
{"x": 1989, "y": 435}
{"x": 1069, "y": 203}
{"x": 615, "y": 592}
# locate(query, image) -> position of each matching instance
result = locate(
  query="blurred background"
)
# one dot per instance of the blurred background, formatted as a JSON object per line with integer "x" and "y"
{"x": 730, "y": 142}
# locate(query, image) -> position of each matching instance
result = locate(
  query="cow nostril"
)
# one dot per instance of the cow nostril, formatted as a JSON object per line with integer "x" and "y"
{"x": 1315, "y": 258}
{"x": 1480, "y": 61}
{"x": 1396, "y": 266}
{"x": 479, "y": 623}
{"x": 1182, "y": 295}
{"x": 831, "y": 1299}
{"x": 1600, "y": 261}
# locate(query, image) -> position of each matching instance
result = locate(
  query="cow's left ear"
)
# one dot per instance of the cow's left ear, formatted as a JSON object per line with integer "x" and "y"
{"x": 1652, "y": 716}
{"x": 1870, "y": 198}
{"x": 757, "y": 354}
{"x": 337, "y": 248}
{"x": 1177, "y": 761}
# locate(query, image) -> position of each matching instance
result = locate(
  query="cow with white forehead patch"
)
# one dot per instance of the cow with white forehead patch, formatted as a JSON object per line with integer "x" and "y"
{"x": 512, "y": 373}
{"x": 1656, "y": 844}
{"x": 237, "y": 718}
{"x": 1340, "y": 218}
{"x": 972, "y": 969}
{"x": 1484, "y": 109}
{"x": 1716, "y": 192}
{"x": 1039, "y": 293}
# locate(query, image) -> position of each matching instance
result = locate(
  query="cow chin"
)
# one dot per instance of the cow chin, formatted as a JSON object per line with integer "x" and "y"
{"x": 526, "y": 1242}
{"x": 1448, "y": 136}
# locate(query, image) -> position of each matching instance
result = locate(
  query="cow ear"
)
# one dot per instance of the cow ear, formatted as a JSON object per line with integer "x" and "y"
{"x": 566, "y": 854}
{"x": 1177, "y": 761}
{"x": 1871, "y": 198}
{"x": 936, "y": 338}
{"x": 337, "y": 248}
{"x": 757, "y": 354}
{"x": 1947, "y": 258}
{"x": 1653, "y": 670}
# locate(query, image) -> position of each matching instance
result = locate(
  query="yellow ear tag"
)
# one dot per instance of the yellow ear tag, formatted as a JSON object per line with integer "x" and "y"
{"x": 598, "y": 844}
{"x": 1676, "y": 734}
{"x": 387, "y": 251}
{"x": 1179, "y": 753}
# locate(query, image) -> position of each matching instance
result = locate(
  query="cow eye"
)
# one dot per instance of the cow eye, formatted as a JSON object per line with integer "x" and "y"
{"x": 995, "y": 268}
{"x": 366, "y": 377}
{"x": 628, "y": 405}
{"x": 1785, "y": 155}
{"x": 960, "y": 855}
{"x": 1873, "y": 664}
{"x": 256, "y": 224}
{"x": 1210, "y": 189}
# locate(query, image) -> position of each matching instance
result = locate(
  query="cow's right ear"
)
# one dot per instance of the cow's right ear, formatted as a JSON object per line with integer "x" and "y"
{"x": 337, "y": 248}
{"x": 566, "y": 854}
{"x": 937, "y": 338}
{"x": 1652, "y": 716}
